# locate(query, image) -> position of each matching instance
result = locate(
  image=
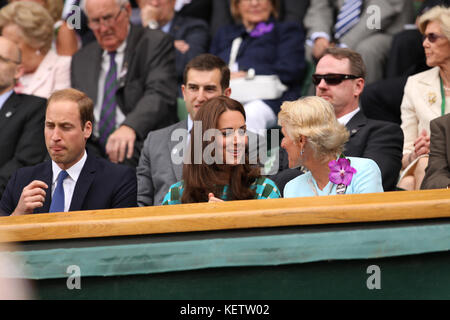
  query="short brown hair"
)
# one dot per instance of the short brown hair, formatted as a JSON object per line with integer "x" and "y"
{"x": 85, "y": 104}
{"x": 209, "y": 62}
{"x": 357, "y": 66}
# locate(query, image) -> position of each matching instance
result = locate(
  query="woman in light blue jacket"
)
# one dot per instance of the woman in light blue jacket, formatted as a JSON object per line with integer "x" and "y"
{"x": 314, "y": 139}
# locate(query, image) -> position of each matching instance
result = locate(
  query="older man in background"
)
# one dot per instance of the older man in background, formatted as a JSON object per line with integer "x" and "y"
{"x": 129, "y": 72}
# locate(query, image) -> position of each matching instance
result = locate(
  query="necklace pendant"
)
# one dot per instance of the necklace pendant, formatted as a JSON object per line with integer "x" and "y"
{"x": 341, "y": 188}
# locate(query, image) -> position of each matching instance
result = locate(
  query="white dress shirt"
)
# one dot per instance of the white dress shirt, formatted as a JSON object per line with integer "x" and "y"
{"x": 347, "y": 117}
{"x": 71, "y": 180}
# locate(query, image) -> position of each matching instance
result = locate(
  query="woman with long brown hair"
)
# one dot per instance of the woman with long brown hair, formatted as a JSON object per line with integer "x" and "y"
{"x": 217, "y": 164}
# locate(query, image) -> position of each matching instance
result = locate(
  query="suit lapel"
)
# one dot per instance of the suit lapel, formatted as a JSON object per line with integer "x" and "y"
{"x": 93, "y": 68}
{"x": 174, "y": 148}
{"x": 430, "y": 81}
{"x": 83, "y": 184}
{"x": 358, "y": 121}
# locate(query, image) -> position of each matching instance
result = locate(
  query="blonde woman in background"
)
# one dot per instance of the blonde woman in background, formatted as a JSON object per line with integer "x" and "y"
{"x": 30, "y": 26}
{"x": 314, "y": 139}
{"x": 66, "y": 41}
{"x": 426, "y": 96}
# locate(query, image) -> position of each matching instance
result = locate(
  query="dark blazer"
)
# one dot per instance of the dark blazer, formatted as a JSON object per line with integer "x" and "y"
{"x": 22, "y": 131}
{"x": 279, "y": 52}
{"x": 101, "y": 185}
{"x": 437, "y": 174}
{"x": 147, "y": 92}
{"x": 156, "y": 171}
{"x": 196, "y": 33}
{"x": 380, "y": 141}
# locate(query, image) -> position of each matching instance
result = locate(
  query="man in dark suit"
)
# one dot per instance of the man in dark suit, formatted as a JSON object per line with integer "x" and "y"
{"x": 21, "y": 118}
{"x": 160, "y": 164}
{"x": 191, "y": 35}
{"x": 129, "y": 73}
{"x": 339, "y": 79}
{"x": 437, "y": 174}
{"x": 73, "y": 180}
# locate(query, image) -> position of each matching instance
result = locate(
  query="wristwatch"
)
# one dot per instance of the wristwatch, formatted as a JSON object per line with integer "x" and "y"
{"x": 250, "y": 74}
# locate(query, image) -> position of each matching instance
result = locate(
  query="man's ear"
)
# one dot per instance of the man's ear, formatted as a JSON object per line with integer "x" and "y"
{"x": 87, "y": 129}
{"x": 128, "y": 9}
{"x": 227, "y": 92}
{"x": 359, "y": 86}
{"x": 183, "y": 88}
{"x": 20, "y": 71}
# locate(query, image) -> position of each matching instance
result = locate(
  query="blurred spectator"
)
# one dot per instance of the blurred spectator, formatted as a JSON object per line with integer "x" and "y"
{"x": 437, "y": 174}
{"x": 21, "y": 118}
{"x": 129, "y": 72}
{"x": 13, "y": 285}
{"x": 261, "y": 45}
{"x": 366, "y": 26}
{"x": 288, "y": 10}
{"x": 426, "y": 96}
{"x": 65, "y": 42}
{"x": 30, "y": 26}
{"x": 191, "y": 35}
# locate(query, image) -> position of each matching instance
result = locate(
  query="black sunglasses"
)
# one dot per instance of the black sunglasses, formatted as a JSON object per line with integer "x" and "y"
{"x": 432, "y": 37}
{"x": 332, "y": 78}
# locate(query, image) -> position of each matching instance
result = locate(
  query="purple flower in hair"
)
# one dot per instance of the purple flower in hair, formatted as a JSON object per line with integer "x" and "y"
{"x": 261, "y": 29}
{"x": 340, "y": 171}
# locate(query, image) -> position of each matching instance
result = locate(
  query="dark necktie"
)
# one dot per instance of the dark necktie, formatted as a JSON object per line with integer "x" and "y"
{"x": 347, "y": 18}
{"x": 107, "y": 122}
{"x": 57, "y": 204}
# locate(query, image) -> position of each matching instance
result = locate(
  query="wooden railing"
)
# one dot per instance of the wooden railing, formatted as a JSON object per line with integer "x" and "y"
{"x": 426, "y": 204}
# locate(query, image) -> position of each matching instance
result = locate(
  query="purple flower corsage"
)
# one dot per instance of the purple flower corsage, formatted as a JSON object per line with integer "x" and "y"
{"x": 261, "y": 29}
{"x": 341, "y": 173}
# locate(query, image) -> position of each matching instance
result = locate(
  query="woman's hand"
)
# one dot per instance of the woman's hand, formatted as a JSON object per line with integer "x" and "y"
{"x": 421, "y": 147}
{"x": 212, "y": 198}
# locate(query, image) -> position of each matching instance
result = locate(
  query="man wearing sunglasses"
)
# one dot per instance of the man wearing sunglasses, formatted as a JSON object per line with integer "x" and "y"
{"x": 339, "y": 79}
{"x": 129, "y": 73}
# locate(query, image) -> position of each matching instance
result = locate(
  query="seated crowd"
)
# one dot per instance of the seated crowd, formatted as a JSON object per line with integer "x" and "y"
{"x": 90, "y": 101}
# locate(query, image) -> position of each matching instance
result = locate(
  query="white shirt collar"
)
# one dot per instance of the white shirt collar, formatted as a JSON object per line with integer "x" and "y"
{"x": 190, "y": 123}
{"x": 347, "y": 117}
{"x": 74, "y": 171}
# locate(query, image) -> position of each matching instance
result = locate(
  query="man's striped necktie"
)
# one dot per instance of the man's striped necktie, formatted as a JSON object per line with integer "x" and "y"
{"x": 107, "y": 123}
{"x": 348, "y": 17}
